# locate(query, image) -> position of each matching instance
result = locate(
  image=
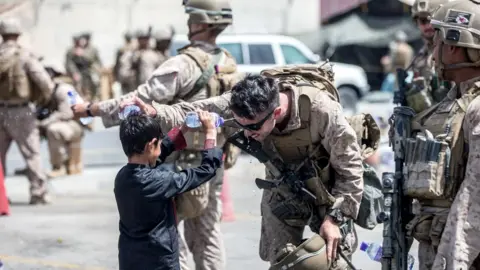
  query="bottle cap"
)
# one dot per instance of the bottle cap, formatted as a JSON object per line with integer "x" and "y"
{"x": 363, "y": 246}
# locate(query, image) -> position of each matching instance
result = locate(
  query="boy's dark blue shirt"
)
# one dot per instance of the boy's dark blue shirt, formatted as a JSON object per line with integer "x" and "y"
{"x": 144, "y": 195}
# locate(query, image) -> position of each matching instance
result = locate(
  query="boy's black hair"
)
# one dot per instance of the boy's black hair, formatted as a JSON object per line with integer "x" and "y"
{"x": 253, "y": 95}
{"x": 136, "y": 131}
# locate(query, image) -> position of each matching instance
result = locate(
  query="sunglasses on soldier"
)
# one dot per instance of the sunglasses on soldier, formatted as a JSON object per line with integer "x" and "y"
{"x": 257, "y": 126}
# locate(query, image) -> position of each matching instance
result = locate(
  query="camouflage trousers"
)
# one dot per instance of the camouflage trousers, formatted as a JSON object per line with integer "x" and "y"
{"x": 202, "y": 234}
{"x": 275, "y": 235}
{"x": 19, "y": 124}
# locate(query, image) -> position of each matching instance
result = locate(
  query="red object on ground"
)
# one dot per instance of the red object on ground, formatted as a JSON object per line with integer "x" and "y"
{"x": 4, "y": 206}
{"x": 228, "y": 214}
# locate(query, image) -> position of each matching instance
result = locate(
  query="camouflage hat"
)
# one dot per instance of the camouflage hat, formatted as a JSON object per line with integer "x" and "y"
{"x": 209, "y": 12}
{"x": 425, "y": 8}
{"x": 310, "y": 255}
{"x": 165, "y": 33}
{"x": 458, "y": 23}
{"x": 10, "y": 26}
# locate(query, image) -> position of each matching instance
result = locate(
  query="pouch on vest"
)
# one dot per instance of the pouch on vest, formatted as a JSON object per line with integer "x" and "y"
{"x": 418, "y": 97}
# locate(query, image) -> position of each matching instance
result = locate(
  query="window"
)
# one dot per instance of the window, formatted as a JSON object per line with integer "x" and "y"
{"x": 234, "y": 49}
{"x": 293, "y": 56}
{"x": 261, "y": 54}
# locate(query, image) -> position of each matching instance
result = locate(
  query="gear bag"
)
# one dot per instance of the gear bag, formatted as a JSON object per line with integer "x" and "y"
{"x": 307, "y": 80}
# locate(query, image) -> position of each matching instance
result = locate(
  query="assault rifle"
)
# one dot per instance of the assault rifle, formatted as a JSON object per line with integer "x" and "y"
{"x": 399, "y": 96}
{"x": 397, "y": 207}
{"x": 275, "y": 166}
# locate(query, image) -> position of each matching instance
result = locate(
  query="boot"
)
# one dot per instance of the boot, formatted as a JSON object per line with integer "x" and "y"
{"x": 40, "y": 199}
{"x": 75, "y": 165}
{"x": 57, "y": 171}
{"x": 21, "y": 171}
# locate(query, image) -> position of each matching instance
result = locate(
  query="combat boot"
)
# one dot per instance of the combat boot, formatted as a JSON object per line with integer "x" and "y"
{"x": 40, "y": 199}
{"x": 57, "y": 171}
{"x": 75, "y": 165}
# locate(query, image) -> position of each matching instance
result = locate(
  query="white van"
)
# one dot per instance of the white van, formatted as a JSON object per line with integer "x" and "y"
{"x": 256, "y": 52}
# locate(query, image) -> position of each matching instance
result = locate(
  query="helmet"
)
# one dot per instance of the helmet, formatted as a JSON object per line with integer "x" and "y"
{"x": 141, "y": 33}
{"x": 425, "y": 8}
{"x": 458, "y": 24}
{"x": 209, "y": 12}
{"x": 128, "y": 35}
{"x": 164, "y": 33}
{"x": 310, "y": 255}
{"x": 10, "y": 26}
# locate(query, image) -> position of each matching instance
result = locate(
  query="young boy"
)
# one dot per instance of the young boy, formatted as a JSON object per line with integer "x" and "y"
{"x": 144, "y": 193}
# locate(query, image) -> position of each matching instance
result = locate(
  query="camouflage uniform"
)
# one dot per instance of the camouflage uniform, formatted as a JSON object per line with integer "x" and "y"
{"x": 64, "y": 134}
{"x": 327, "y": 127}
{"x": 137, "y": 65}
{"x": 129, "y": 45}
{"x": 458, "y": 24}
{"x": 31, "y": 83}
{"x": 87, "y": 64}
{"x": 178, "y": 79}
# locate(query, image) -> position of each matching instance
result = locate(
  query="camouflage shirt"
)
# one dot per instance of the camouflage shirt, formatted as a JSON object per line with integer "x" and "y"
{"x": 460, "y": 243}
{"x": 328, "y": 127}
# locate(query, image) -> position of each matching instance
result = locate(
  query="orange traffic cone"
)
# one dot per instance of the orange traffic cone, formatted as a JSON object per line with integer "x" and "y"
{"x": 228, "y": 213}
{"x": 4, "y": 206}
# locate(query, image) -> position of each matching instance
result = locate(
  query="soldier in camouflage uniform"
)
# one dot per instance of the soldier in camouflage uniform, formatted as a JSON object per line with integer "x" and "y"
{"x": 63, "y": 133}
{"x": 199, "y": 71}
{"x": 129, "y": 45}
{"x": 83, "y": 66}
{"x": 440, "y": 153}
{"x": 457, "y": 58}
{"x": 426, "y": 89}
{"x": 291, "y": 119}
{"x": 137, "y": 65}
{"x": 163, "y": 40}
{"x": 23, "y": 81}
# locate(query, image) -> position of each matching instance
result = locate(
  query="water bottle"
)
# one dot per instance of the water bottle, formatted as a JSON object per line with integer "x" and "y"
{"x": 75, "y": 98}
{"x": 129, "y": 110}
{"x": 374, "y": 252}
{"x": 193, "y": 121}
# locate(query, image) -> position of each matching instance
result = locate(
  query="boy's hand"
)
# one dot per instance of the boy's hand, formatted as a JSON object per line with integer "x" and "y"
{"x": 208, "y": 123}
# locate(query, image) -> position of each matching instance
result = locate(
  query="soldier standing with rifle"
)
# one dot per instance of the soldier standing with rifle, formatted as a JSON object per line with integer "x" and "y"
{"x": 290, "y": 119}
{"x": 457, "y": 58}
{"x": 435, "y": 152}
{"x": 426, "y": 88}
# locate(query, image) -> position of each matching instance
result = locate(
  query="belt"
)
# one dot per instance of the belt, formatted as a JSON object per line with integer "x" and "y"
{"x": 13, "y": 105}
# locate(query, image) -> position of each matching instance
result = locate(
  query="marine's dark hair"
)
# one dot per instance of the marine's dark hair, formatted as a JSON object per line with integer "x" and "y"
{"x": 136, "y": 131}
{"x": 254, "y": 95}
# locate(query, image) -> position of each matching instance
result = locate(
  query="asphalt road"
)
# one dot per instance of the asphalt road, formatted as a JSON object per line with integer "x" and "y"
{"x": 80, "y": 229}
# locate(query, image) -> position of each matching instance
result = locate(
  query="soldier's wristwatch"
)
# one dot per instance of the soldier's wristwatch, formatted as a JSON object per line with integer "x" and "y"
{"x": 337, "y": 216}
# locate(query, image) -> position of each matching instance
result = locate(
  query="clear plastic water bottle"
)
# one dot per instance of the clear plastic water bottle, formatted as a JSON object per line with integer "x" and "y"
{"x": 129, "y": 110}
{"x": 75, "y": 98}
{"x": 374, "y": 252}
{"x": 193, "y": 121}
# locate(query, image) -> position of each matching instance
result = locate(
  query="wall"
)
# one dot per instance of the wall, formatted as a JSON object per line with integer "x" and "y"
{"x": 58, "y": 20}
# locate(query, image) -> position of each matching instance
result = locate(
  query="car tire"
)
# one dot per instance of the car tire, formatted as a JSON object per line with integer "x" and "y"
{"x": 348, "y": 99}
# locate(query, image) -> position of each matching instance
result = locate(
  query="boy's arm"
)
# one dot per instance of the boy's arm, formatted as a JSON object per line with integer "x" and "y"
{"x": 167, "y": 184}
{"x": 174, "y": 141}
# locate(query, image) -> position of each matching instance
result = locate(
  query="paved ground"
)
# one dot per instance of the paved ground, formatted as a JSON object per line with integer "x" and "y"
{"x": 80, "y": 230}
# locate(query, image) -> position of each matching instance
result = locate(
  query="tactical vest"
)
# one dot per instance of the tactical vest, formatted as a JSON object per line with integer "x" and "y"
{"x": 435, "y": 156}
{"x": 14, "y": 81}
{"x": 216, "y": 78}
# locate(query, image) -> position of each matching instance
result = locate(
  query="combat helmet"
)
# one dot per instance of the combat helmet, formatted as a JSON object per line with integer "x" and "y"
{"x": 10, "y": 26}
{"x": 425, "y": 8}
{"x": 458, "y": 24}
{"x": 209, "y": 12}
{"x": 309, "y": 255}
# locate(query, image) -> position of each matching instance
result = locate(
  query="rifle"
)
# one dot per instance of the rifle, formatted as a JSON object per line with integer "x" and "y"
{"x": 397, "y": 208}
{"x": 275, "y": 166}
{"x": 399, "y": 96}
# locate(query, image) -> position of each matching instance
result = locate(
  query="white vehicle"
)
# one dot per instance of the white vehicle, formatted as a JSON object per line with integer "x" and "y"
{"x": 255, "y": 53}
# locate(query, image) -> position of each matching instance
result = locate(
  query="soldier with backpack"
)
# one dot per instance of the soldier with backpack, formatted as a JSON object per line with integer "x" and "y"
{"x": 23, "y": 81}
{"x": 293, "y": 115}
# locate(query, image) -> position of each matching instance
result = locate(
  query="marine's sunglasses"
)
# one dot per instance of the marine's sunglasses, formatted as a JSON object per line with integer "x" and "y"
{"x": 257, "y": 126}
